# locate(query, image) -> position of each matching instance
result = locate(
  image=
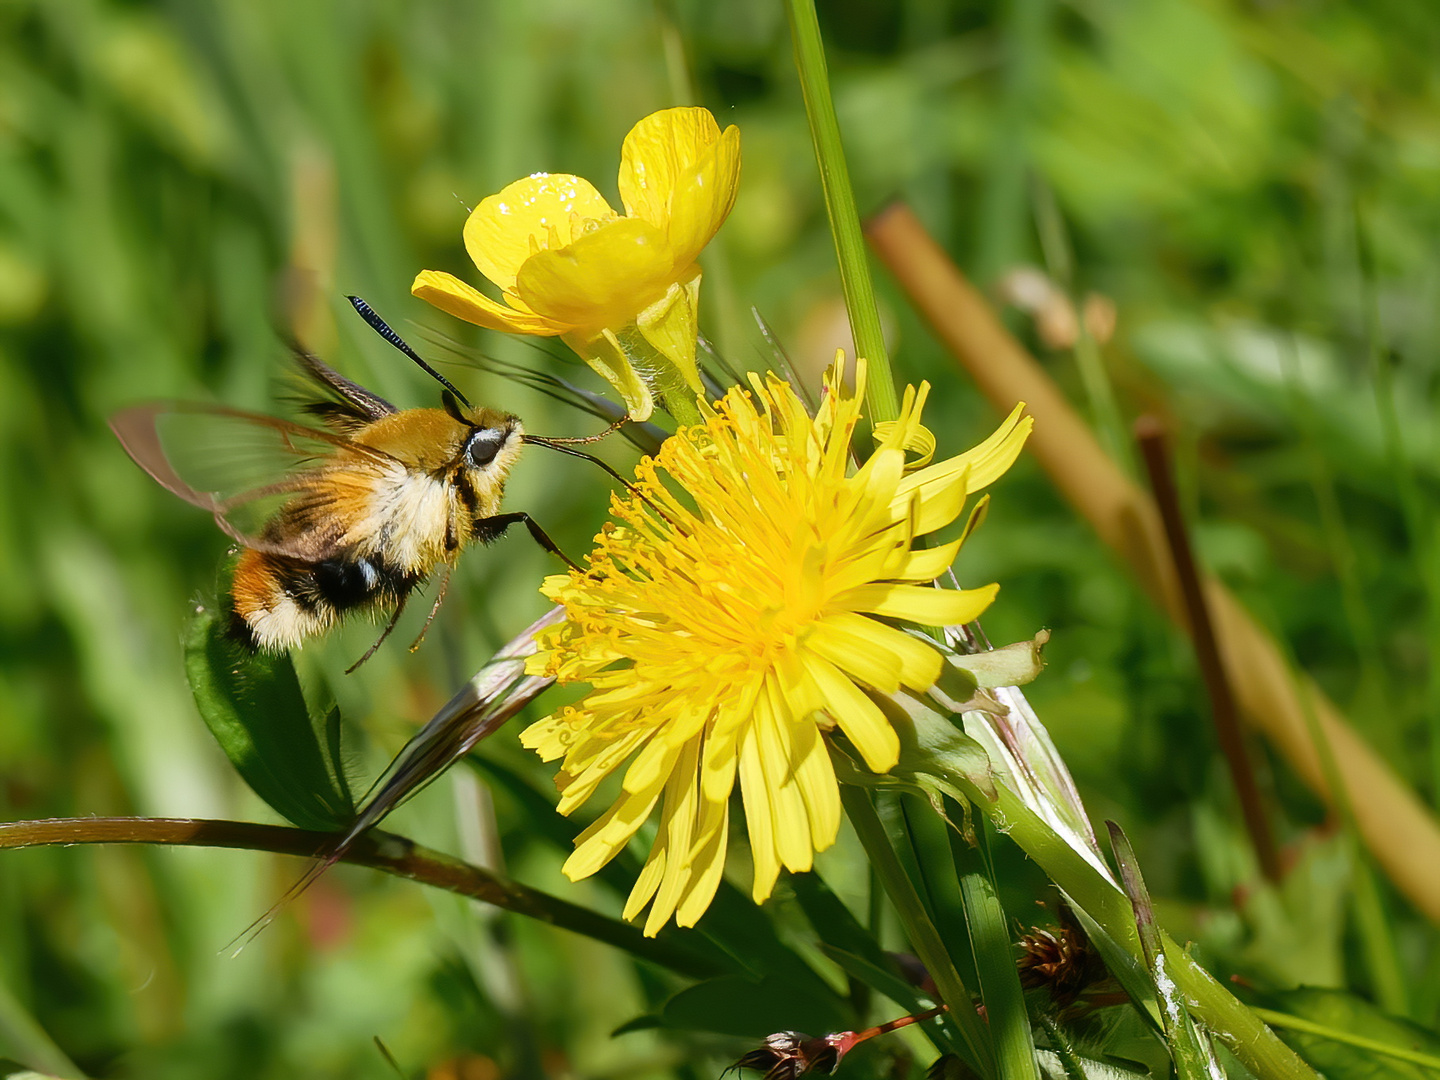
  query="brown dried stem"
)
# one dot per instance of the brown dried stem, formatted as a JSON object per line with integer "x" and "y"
{"x": 1150, "y": 434}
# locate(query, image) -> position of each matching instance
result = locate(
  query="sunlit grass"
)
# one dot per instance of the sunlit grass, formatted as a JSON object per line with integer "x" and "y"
{"x": 1253, "y": 188}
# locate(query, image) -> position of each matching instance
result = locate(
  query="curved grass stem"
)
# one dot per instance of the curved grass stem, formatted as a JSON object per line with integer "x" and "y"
{"x": 378, "y": 850}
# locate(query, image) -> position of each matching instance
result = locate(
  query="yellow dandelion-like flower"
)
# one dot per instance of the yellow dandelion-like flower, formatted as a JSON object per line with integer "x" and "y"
{"x": 736, "y": 614}
{"x": 622, "y": 291}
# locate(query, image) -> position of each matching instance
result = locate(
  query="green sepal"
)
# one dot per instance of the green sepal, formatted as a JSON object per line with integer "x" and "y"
{"x": 937, "y": 758}
{"x": 1009, "y": 665}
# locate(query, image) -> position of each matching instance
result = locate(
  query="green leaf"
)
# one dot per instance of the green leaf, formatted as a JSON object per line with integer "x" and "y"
{"x": 929, "y": 835}
{"x": 883, "y": 980}
{"x": 910, "y": 998}
{"x": 253, "y": 705}
{"x": 736, "y": 1005}
{"x": 1348, "y": 1038}
{"x": 647, "y": 1022}
{"x": 734, "y": 933}
{"x": 1005, "y": 1008}
{"x": 22, "y": 1035}
{"x": 835, "y": 925}
{"x": 974, "y": 1042}
{"x": 1052, "y": 1067}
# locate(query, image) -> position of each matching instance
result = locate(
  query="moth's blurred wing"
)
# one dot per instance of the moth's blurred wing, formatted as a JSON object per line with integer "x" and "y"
{"x": 240, "y": 466}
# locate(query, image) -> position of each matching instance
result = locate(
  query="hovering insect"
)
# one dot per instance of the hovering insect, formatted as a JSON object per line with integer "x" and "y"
{"x": 363, "y": 510}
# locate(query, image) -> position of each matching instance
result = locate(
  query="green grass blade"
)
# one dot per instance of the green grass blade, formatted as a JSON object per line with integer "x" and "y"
{"x": 995, "y": 959}
{"x": 880, "y": 400}
{"x": 1192, "y": 1059}
{"x": 939, "y": 879}
{"x": 1348, "y": 1021}
{"x": 924, "y": 938}
{"x": 22, "y": 1037}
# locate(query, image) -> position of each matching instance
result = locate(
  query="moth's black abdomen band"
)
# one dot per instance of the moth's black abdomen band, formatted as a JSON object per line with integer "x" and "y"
{"x": 238, "y": 631}
{"x": 344, "y": 584}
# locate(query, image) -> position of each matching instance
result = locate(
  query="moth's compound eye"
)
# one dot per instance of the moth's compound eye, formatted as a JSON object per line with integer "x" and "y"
{"x": 483, "y": 445}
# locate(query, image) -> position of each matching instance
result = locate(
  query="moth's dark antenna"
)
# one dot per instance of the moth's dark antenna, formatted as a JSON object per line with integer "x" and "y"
{"x": 381, "y": 327}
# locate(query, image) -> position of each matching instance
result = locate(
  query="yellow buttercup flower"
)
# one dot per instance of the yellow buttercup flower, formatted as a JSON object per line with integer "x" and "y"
{"x": 733, "y": 616}
{"x": 622, "y": 291}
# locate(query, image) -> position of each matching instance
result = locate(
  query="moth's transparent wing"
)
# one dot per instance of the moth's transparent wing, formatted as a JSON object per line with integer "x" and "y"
{"x": 240, "y": 466}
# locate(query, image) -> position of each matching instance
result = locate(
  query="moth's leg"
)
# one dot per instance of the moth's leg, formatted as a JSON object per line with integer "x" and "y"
{"x": 435, "y": 607}
{"x": 395, "y": 618}
{"x": 487, "y": 529}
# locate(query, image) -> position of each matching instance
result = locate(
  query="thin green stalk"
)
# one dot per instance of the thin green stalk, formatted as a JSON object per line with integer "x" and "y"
{"x": 995, "y": 958}
{"x": 1000, "y": 224}
{"x": 1060, "y": 1044}
{"x": 722, "y": 296}
{"x": 880, "y": 400}
{"x": 1094, "y": 377}
{"x": 930, "y": 836}
{"x": 1191, "y": 1059}
{"x": 1375, "y": 686}
{"x": 1419, "y": 522}
{"x": 681, "y": 406}
{"x": 1382, "y": 959}
{"x": 22, "y": 1038}
{"x": 677, "y": 64}
{"x": 1257, "y": 1047}
{"x": 923, "y": 936}
{"x": 1299, "y": 1023}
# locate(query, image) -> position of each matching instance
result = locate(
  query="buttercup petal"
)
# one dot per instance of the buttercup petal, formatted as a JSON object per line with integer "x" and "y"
{"x": 657, "y": 151}
{"x": 703, "y": 198}
{"x": 603, "y": 278}
{"x": 546, "y": 210}
{"x": 453, "y": 296}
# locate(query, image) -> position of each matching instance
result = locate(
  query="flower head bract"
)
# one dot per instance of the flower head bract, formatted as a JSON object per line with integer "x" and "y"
{"x": 621, "y": 290}
{"x": 735, "y": 614}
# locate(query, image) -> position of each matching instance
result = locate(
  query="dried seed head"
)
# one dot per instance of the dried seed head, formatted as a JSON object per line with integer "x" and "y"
{"x": 788, "y": 1055}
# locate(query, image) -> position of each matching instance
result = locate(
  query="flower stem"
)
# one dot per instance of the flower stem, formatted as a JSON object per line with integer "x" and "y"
{"x": 680, "y": 404}
{"x": 918, "y": 928}
{"x": 880, "y": 400}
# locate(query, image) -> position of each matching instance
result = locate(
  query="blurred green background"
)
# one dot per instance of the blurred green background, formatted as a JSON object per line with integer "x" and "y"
{"x": 1252, "y": 189}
